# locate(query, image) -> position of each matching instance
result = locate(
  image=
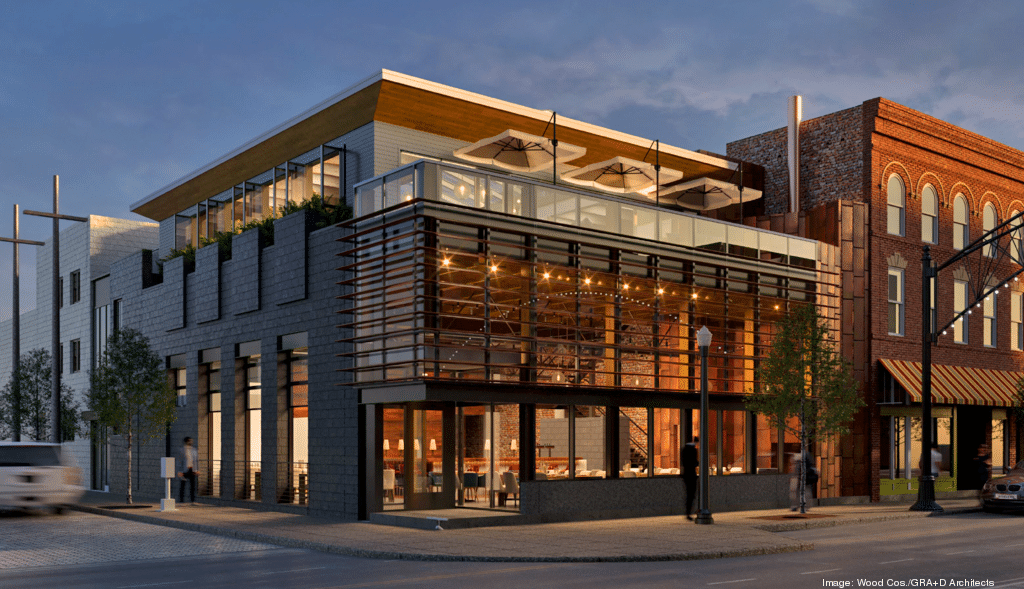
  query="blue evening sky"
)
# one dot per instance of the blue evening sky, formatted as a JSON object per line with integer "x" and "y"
{"x": 121, "y": 98}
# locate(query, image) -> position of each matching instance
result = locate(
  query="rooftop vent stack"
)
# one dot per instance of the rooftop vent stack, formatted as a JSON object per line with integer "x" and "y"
{"x": 795, "y": 114}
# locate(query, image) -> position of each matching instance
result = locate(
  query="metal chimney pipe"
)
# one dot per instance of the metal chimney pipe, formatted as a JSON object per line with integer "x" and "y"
{"x": 795, "y": 115}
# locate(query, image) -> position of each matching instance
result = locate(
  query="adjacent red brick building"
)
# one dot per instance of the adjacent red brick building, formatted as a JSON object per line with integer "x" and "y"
{"x": 882, "y": 181}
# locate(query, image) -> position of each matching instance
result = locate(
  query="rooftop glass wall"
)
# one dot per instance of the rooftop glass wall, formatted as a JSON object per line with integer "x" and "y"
{"x": 316, "y": 172}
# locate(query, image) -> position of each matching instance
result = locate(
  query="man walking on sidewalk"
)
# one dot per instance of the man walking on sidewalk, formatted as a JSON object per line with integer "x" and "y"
{"x": 690, "y": 463}
{"x": 189, "y": 463}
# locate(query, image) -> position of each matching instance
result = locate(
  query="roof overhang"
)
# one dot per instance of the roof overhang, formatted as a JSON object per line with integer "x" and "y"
{"x": 414, "y": 103}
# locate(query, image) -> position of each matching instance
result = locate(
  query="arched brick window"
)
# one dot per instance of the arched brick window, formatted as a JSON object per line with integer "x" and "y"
{"x": 960, "y": 228}
{"x": 1016, "y": 243}
{"x": 929, "y": 214}
{"x": 897, "y": 200}
{"x": 989, "y": 223}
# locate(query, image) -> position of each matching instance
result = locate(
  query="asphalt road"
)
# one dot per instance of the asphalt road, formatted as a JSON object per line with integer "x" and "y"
{"x": 935, "y": 552}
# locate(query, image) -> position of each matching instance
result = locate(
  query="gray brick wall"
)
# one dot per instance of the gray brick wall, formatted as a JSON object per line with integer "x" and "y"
{"x": 333, "y": 410}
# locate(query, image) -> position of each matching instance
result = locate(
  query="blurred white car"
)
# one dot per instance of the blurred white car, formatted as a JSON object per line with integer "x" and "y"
{"x": 37, "y": 475}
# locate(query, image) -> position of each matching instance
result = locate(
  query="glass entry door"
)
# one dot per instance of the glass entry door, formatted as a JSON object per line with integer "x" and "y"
{"x": 430, "y": 458}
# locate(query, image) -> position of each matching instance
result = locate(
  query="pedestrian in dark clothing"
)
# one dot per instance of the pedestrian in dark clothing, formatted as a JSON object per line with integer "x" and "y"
{"x": 982, "y": 468}
{"x": 189, "y": 463}
{"x": 690, "y": 463}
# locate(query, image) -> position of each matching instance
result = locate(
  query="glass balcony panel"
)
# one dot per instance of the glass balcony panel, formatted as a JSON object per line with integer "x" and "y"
{"x": 743, "y": 241}
{"x": 398, "y": 188}
{"x": 599, "y": 214}
{"x": 566, "y": 208}
{"x": 370, "y": 198}
{"x": 545, "y": 198}
{"x": 709, "y": 235}
{"x": 803, "y": 253}
{"x": 459, "y": 188}
{"x": 677, "y": 229}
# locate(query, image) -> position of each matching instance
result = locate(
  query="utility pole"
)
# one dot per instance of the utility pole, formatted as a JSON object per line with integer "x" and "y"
{"x": 16, "y": 324}
{"x": 55, "y": 308}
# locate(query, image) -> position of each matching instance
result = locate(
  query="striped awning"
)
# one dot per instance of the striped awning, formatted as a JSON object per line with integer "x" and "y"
{"x": 957, "y": 385}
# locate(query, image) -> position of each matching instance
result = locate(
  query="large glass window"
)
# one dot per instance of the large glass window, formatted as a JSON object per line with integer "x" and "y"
{"x": 895, "y": 301}
{"x": 929, "y": 214}
{"x": 959, "y": 305}
{"x": 1016, "y": 321}
{"x": 989, "y": 223}
{"x": 1016, "y": 251}
{"x": 253, "y": 428}
{"x": 668, "y": 441}
{"x": 989, "y": 307}
{"x": 298, "y": 426}
{"x": 212, "y": 451}
{"x": 960, "y": 226}
{"x": 553, "y": 453}
{"x": 590, "y": 447}
{"x": 897, "y": 200}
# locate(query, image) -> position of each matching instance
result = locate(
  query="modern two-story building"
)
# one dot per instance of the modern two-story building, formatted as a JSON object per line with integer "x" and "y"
{"x": 507, "y": 322}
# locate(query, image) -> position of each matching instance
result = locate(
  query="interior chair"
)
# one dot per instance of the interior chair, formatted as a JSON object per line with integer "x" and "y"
{"x": 436, "y": 481}
{"x": 469, "y": 484}
{"x": 389, "y": 484}
{"x": 508, "y": 480}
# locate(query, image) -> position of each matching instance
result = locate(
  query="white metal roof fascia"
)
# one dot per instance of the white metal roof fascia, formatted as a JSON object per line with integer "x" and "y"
{"x": 438, "y": 88}
{"x": 259, "y": 139}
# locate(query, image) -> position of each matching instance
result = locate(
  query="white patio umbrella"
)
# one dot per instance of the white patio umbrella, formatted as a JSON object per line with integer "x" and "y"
{"x": 621, "y": 175}
{"x": 705, "y": 194}
{"x": 519, "y": 152}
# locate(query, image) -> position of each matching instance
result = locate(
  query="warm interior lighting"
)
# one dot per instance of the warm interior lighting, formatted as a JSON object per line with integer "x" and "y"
{"x": 694, "y": 295}
{"x": 494, "y": 268}
{"x": 487, "y": 445}
{"x": 661, "y": 291}
{"x": 547, "y": 275}
{"x": 433, "y": 445}
{"x": 387, "y": 446}
{"x": 515, "y": 445}
{"x": 445, "y": 262}
{"x": 401, "y": 443}
{"x": 586, "y": 281}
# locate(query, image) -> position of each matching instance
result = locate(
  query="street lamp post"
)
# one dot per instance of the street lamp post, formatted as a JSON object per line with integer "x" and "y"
{"x": 55, "y": 420}
{"x": 16, "y": 323}
{"x": 704, "y": 342}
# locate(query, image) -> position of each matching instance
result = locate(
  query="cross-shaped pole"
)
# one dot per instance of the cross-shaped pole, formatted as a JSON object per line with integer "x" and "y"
{"x": 16, "y": 325}
{"x": 55, "y": 308}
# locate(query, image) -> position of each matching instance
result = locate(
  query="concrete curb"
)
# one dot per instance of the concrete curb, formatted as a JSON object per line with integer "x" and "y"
{"x": 790, "y": 526}
{"x": 286, "y": 542}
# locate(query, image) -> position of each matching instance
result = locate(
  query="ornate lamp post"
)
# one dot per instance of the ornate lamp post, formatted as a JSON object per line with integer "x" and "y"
{"x": 704, "y": 342}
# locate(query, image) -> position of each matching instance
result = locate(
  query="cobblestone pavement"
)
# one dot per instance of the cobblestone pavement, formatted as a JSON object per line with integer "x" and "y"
{"x": 37, "y": 540}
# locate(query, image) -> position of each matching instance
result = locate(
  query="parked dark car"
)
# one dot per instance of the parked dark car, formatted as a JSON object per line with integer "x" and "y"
{"x": 1005, "y": 493}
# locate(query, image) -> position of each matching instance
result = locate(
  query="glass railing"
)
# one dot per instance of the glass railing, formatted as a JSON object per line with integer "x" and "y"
{"x": 470, "y": 188}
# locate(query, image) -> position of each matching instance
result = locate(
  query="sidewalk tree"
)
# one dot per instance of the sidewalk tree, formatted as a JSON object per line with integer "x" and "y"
{"x": 33, "y": 382}
{"x": 130, "y": 393}
{"x": 804, "y": 377}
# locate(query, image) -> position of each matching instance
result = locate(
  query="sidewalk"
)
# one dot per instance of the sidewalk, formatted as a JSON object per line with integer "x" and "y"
{"x": 743, "y": 533}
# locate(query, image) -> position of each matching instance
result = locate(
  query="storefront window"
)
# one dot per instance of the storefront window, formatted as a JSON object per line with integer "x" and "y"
{"x": 734, "y": 441}
{"x": 668, "y": 441}
{"x": 590, "y": 446}
{"x": 767, "y": 443}
{"x": 999, "y": 447}
{"x": 553, "y": 452}
{"x": 634, "y": 457}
